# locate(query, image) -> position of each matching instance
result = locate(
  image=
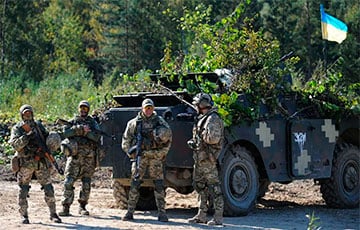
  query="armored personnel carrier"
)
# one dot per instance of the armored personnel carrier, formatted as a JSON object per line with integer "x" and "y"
{"x": 271, "y": 149}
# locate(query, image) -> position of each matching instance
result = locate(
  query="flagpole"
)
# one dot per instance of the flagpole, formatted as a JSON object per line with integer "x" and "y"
{"x": 325, "y": 57}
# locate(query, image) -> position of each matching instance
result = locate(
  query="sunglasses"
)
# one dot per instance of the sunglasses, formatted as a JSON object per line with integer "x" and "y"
{"x": 84, "y": 108}
{"x": 27, "y": 113}
{"x": 148, "y": 107}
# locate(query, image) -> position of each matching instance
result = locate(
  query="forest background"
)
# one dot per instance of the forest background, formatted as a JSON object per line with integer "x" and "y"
{"x": 54, "y": 53}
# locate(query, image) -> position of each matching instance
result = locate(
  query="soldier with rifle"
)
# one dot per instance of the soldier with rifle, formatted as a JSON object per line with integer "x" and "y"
{"x": 80, "y": 146}
{"x": 32, "y": 141}
{"x": 147, "y": 140}
{"x": 207, "y": 141}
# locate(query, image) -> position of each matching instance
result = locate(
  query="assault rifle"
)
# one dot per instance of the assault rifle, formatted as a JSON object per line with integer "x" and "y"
{"x": 137, "y": 149}
{"x": 61, "y": 121}
{"x": 42, "y": 151}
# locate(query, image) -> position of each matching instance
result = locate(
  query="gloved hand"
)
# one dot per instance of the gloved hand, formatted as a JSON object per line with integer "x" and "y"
{"x": 156, "y": 137}
{"x": 30, "y": 135}
{"x": 79, "y": 130}
{"x": 192, "y": 145}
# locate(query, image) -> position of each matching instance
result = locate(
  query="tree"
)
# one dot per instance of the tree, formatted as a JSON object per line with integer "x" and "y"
{"x": 63, "y": 31}
{"x": 22, "y": 41}
{"x": 234, "y": 44}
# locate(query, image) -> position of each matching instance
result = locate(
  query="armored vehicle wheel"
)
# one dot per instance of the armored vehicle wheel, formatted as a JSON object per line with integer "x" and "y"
{"x": 341, "y": 190}
{"x": 239, "y": 182}
{"x": 146, "y": 200}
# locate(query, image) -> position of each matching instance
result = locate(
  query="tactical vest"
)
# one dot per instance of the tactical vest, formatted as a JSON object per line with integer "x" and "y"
{"x": 147, "y": 132}
{"x": 204, "y": 148}
{"x": 82, "y": 140}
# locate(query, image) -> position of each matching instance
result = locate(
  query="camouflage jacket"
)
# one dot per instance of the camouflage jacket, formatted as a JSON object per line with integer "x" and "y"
{"x": 76, "y": 131}
{"x": 208, "y": 133}
{"x": 149, "y": 127}
{"x": 23, "y": 144}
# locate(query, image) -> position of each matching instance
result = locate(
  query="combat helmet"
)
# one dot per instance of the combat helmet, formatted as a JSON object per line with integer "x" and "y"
{"x": 69, "y": 147}
{"x": 84, "y": 103}
{"x": 53, "y": 141}
{"x": 203, "y": 100}
{"x": 25, "y": 108}
{"x": 163, "y": 134}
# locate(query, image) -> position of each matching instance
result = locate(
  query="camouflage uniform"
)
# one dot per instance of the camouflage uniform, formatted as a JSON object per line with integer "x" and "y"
{"x": 208, "y": 135}
{"x": 30, "y": 162}
{"x": 81, "y": 163}
{"x": 154, "y": 151}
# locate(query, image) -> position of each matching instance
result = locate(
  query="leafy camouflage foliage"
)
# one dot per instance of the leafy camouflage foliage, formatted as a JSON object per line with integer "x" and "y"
{"x": 258, "y": 70}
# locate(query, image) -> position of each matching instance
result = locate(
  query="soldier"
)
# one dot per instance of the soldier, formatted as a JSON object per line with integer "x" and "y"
{"x": 80, "y": 146}
{"x": 28, "y": 161}
{"x": 208, "y": 136}
{"x": 155, "y": 138}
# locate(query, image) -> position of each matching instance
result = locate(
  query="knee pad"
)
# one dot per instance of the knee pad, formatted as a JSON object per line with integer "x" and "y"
{"x": 24, "y": 187}
{"x": 86, "y": 180}
{"x": 24, "y": 191}
{"x": 159, "y": 185}
{"x": 48, "y": 189}
{"x": 135, "y": 184}
{"x": 199, "y": 186}
{"x": 215, "y": 189}
{"x": 86, "y": 183}
{"x": 68, "y": 184}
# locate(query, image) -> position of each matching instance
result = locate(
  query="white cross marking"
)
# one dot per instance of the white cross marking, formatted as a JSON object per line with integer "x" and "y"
{"x": 265, "y": 134}
{"x": 302, "y": 162}
{"x": 330, "y": 131}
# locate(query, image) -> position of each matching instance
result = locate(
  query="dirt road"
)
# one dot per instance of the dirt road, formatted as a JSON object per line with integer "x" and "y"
{"x": 283, "y": 207}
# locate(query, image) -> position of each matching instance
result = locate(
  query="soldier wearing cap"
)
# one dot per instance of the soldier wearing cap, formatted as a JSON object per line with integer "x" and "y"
{"x": 80, "y": 147}
{"x": 156, "y": 141}
{"x": 27, "y": 161}
{"x": 208, "y": 135}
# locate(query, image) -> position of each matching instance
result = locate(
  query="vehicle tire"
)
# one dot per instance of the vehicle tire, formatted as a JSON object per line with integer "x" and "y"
{"x": 121, "y": 193}
{"x": 341, "y": 190}
{"x": 239, "y": 182}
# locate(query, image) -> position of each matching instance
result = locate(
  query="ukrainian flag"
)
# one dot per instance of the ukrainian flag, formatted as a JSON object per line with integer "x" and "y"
{"x": 332, "y": 28}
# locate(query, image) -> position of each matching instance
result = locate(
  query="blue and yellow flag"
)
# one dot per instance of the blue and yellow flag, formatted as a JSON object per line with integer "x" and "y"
{"x": 332, "y": 28}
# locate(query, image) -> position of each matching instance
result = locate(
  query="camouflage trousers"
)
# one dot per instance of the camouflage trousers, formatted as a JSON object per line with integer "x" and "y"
{"x": 156, "y": 173}
{"x": 42, "y": 174}
{"x": 206, "y": 182}
{"x": 80, "y": 166}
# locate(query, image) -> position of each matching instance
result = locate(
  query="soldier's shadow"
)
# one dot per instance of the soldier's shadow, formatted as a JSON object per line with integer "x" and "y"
{"x": 177, "y": 217}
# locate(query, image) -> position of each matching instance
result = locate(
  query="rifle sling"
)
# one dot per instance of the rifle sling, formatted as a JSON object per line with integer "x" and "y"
{"x": 40, "y": 133}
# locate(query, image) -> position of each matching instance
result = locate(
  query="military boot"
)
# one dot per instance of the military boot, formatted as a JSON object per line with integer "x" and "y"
{"x": 162, "y": 217}
{"x": 199, "y": 218}
{"x": 54, "y": 217}
{"x": 82, "y": 210}
{"x": 65, "y": 211}
{"x": 217, "y": 220}
{"x": 128, "y": 216}
{"x": 25, "y": 220}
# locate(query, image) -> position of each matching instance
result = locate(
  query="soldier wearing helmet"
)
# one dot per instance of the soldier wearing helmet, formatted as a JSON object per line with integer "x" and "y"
{"x": 207, "y": 140}
{"x": 156, "y": 141}
{"x": 80, "y": 147}
{"x": 27, "y": 161}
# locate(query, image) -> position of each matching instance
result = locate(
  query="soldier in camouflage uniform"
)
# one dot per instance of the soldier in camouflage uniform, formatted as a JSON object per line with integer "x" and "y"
{"x": 208, "y": 136}
{"x": 156, "y": 141}
{"x": 82, "y": 132}
{"x": 29, "y": 162}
